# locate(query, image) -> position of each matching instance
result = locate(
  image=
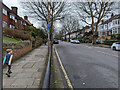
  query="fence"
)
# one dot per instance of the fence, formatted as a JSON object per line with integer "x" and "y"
{"x": 46, "y": 83}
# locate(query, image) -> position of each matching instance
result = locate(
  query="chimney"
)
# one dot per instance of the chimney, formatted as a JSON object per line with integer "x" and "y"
{"x": 112, "y": 15}
{"x": 14, "y": 9}
{"x": 102, "y": 21}
{"x": 26, "y": 17}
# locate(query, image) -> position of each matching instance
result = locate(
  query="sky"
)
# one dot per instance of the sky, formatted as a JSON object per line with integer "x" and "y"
{"x": 16, "y": 3}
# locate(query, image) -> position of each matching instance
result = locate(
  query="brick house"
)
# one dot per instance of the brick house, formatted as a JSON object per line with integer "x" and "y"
{"x": 12, "y": 20}
{"x": 110, "y": 26}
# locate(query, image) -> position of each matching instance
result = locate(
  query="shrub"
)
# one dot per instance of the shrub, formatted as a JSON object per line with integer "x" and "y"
{"x": 17, "y": 34}
{"x": 110, "y": 42}
{"x": 73, "y": 38}
{"x": 118, "y": 37}
{"x": 88, "y": 41}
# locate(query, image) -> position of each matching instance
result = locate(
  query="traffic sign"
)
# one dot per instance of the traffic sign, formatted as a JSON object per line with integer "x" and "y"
{"x": 48, "y": 26}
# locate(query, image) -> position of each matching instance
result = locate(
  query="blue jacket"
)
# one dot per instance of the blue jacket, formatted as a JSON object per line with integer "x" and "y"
{"x": 8, "y": 59}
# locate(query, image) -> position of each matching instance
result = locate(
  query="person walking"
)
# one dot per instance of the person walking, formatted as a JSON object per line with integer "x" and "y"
{"x": 45, "y": 41}
{"x": 8, "y": 59}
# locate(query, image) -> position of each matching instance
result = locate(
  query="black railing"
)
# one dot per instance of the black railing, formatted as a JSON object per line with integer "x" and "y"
{"x": 46, "y": 83}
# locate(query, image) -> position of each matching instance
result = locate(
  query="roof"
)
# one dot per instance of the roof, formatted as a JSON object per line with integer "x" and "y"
{"x": 112, "y": 18}
{"x": 28, "y": 22}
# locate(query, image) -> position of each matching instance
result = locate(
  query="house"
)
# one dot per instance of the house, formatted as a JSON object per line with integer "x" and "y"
{"x": 110, "y": 26}
{"x": 12, "y": 20}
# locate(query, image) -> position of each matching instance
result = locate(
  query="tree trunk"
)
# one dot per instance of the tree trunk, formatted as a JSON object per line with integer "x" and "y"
{"x": 69, "y": 37}
{"x": 76, "y": 36}
{"x": 94, "y": 40}
{"x": 65, "y": 37}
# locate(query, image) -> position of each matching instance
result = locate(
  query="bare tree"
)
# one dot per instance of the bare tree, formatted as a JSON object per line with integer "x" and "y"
{"x": 92, "y": 13}
{"x": 70, "y": 24}
{"x": 44, "y": 11}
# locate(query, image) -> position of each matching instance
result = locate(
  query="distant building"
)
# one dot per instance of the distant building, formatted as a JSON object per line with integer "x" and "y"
{"x": 12, "y": 20}
{"x": 110, "y": 26}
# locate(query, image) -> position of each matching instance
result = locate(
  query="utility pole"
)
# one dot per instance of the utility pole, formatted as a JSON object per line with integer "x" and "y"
{"x": 48, "y": 27}
{"x": 1, "y": 40}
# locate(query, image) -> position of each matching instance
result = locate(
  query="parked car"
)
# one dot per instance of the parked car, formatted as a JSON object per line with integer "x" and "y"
{"x": 82, "y": 40}
{"x": 72, "y": 41}
{"x": 75, "y": 41}
{"x": 116, "y": 46}
{"x": 55, "y": 41}
{"x": 98, "y": 42}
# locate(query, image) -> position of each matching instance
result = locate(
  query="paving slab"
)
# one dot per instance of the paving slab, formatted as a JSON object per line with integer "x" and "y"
{"x": 27, "y": 71}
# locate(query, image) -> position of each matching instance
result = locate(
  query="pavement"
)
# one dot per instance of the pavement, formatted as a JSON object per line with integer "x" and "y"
{"x": 27, "y": 71}
{"x": 89, "y": 66}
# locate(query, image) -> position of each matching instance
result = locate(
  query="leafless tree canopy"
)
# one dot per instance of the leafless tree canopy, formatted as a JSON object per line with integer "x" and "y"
{"x": 94, "y": 12}
{"x": 44, "y": 10}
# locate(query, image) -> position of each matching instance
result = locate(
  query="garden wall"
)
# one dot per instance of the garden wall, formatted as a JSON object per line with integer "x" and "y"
{"x": 19, "y": 49}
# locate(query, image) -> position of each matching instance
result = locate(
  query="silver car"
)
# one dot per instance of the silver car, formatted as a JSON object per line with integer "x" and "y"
{"x": 116, "y": 46}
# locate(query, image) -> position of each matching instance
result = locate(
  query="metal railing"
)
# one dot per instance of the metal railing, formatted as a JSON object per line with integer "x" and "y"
{"x": 46, "y": 83}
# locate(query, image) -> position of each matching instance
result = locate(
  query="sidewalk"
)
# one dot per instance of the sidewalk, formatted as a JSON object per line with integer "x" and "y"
{"x": 27, "y": 71}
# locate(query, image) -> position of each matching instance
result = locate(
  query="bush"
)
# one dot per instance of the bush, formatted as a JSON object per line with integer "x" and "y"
{"x": 88, "y": 41}
{"x": 17, "y": 34}
{"x": 110, "y": 42}
{"x": 73, "y": 38}
{"x": 118, "y": 37}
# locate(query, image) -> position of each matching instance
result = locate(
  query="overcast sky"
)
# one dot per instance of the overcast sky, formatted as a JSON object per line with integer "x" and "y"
{"x": 16, "y": 3}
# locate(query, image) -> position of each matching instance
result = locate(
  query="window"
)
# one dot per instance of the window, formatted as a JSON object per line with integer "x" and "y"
{"x": 11, "y": 26}
{"x": 109, "y": 33}
{"x": 102, "y": 26}
{"x": 113, "y": 22}
{"x": 119, "y": 30}
{"x": 105, "y": 33}
{"x": 12, "y": 17}
{"x": 16, "y": 20}
{"x": 99, "y": 33}
{"x": 114, "y": 31}
{"x": 105, "y": 26}
{"x": 5, "y": 11}
{"x": 118, "y": 21}
{"x": 4, "y": 23}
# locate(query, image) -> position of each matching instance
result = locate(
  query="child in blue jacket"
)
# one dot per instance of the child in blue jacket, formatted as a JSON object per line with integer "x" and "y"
{"x": 8, "y": 59}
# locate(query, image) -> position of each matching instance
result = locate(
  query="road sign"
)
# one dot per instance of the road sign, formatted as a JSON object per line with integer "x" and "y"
{"x": 48, "y": 26}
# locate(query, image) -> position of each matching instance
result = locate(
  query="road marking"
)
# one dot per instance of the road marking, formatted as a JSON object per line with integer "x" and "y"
{"x": 107, "y": 54}
{"x": 65, "y": 74}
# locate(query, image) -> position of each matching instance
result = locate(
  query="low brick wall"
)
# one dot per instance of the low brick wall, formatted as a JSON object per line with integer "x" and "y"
{"x": 18, "y": 49}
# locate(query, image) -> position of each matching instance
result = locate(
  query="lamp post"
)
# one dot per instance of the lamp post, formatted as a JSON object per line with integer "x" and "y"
{"x": 1, "y": 76}
{"x": 48, "y": 26}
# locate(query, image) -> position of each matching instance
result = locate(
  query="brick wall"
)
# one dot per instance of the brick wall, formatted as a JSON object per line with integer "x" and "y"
{"x": 17, "y": 52}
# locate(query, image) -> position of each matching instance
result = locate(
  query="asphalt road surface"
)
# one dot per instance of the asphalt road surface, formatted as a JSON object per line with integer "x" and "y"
{"x": 89, "y": 66}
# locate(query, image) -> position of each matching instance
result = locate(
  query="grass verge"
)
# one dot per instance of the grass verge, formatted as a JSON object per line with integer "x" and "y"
{"x": 7, "y": 39}
{"x": 56, "y": 79}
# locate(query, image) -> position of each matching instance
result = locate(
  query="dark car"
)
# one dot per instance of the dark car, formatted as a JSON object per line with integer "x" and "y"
{"x": 55, "y": 41}
{"x": 98, "y": 42}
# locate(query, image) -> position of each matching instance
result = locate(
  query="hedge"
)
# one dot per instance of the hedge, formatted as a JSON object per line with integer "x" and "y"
{"x": 17, "y": 34}
{"x": 110, "y": 42}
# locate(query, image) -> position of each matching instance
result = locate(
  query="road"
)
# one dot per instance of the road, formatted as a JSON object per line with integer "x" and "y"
{"x": 89, "y": 66}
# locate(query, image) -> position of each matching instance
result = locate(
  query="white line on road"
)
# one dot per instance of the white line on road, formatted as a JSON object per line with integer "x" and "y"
{"x": 107, "y": 54}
